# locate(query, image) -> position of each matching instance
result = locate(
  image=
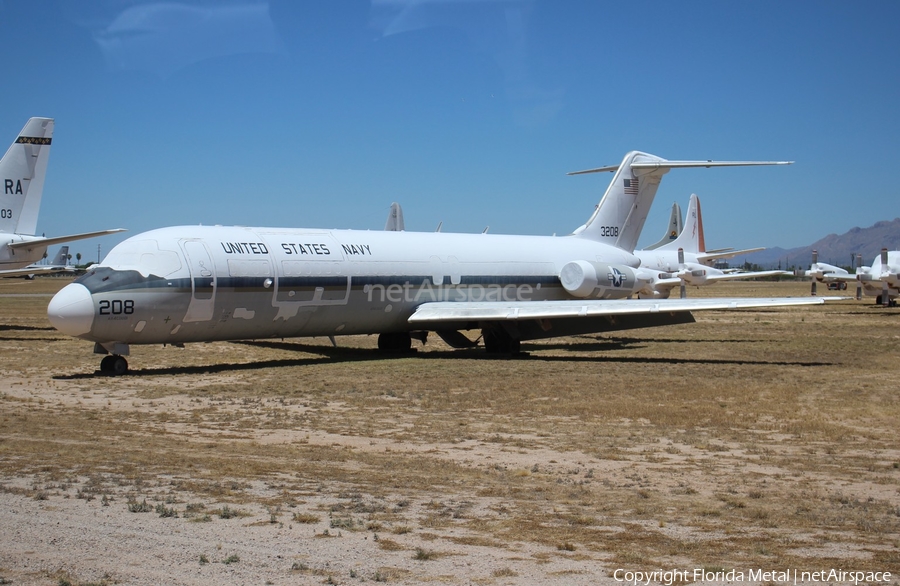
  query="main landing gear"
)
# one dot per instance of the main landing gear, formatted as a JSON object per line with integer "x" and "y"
{"x": 114, "y": 365}
{"x": 397, "y": 342}
{"x": 497, "y": 341}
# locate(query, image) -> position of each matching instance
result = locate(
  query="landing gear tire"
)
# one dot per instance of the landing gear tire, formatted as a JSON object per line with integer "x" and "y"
{"x": 398, "y": 342}
{"x": 500, "y": 343}
{"x": 114, "y": 365}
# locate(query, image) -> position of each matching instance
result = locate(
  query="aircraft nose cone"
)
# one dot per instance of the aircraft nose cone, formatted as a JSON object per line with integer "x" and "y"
{"x": 71, "y": 311}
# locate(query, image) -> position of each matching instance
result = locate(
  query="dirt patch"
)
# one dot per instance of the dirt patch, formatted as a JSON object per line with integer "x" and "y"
{"x": 748, "y": 440}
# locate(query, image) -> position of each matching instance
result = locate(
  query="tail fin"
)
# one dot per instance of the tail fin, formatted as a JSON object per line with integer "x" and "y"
{"x": 22, "y": 171}
{"x": 620, "y": 217}
{"x": 62, "y": 257}
{"x": 691, "y": 238}
{"x": 675, "y": 226}
{"x": 395, "y": 219}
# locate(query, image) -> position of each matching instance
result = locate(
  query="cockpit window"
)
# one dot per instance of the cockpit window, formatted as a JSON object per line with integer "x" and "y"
{"x": 102, "y": 279}
{"x": 143, "y": 256}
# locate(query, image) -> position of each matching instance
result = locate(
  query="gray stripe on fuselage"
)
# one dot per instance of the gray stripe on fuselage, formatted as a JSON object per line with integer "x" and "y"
{"x": 111, "y": 280}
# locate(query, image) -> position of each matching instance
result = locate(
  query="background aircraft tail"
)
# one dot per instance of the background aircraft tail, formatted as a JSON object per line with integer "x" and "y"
{"x": 620, "y": 217}
{"x": 22, "y": 172}
{"x": 395, "y": 219}
{"x": 673, "y": 228}
{"x": 62, "y": 257}
{"x": 691, "y": 238}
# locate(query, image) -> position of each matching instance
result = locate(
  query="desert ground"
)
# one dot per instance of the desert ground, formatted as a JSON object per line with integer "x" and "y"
{"x": 748, "y": 442}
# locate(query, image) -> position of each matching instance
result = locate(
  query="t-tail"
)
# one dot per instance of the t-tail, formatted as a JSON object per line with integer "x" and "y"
{"x": 22, "y": 172}
{"x": 620, "y": 217}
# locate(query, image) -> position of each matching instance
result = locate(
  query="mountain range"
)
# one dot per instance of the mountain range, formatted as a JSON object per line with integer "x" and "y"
{"x": 834, "y": 249}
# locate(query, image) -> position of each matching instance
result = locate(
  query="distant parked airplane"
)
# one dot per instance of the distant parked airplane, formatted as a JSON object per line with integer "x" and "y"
{"x": 881, "y": 279}
{"x": 822, "y": 272}
{"x": 885, "y": 269}
{"x": 59, "y": 264}
{"x": 22, "y": 172}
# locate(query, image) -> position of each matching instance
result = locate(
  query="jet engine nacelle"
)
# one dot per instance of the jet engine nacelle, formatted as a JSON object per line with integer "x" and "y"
{"x": 583, "y": 278}
{"x": 693, "y": 277}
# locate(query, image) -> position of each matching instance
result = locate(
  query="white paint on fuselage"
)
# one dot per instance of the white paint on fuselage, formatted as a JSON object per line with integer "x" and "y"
{"x": 266, "y": 282}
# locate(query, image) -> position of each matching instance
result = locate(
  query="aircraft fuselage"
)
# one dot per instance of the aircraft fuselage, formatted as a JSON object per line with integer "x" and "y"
{"x": 20, "y": 257}
{"x": 189, "y": 284}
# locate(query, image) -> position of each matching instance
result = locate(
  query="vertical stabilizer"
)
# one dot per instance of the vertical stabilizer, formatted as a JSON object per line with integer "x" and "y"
{"x": 619, "y": 218}
{"x": 673, "y": 228}
{"x": 691, "y": 238}
{"x": 62, "y": 257}
{"x": 395, "y": 219}
{"x": 22, "y": 172}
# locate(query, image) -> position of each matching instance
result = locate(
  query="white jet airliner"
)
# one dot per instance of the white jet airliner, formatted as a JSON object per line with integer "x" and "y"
{"x": 22, "y": 172}
{"x": 202, "y": 283}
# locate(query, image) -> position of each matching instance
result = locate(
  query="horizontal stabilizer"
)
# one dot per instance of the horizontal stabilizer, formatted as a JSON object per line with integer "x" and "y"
{"x": 28, "y": 244}
{"x": 712, "y": 255}
{"x": 663, "y": 164}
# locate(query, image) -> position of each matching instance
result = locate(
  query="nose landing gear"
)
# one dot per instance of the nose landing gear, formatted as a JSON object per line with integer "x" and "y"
{"x": 114, "y": 365}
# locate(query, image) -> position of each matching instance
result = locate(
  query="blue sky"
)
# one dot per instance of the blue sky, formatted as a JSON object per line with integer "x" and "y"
{"x": 467, "y": 112}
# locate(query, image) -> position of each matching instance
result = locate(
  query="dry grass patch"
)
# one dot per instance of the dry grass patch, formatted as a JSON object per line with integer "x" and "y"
{"x": 740, "y": 439}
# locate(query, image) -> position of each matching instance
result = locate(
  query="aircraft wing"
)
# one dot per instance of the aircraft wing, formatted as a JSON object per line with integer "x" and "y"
{"x": 27, "y": 244}
{"x": 713, "y": 254}
{"x": 667, "y": 283}
{"x": 24, "y": 272}
{"x": 849, "y": 277}
{"x": 449, "y": 311}
{"x": 747, "y": 275}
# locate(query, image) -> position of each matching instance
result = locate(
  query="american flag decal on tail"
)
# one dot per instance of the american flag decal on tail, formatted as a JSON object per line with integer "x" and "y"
{"x": 631, "y": 186}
